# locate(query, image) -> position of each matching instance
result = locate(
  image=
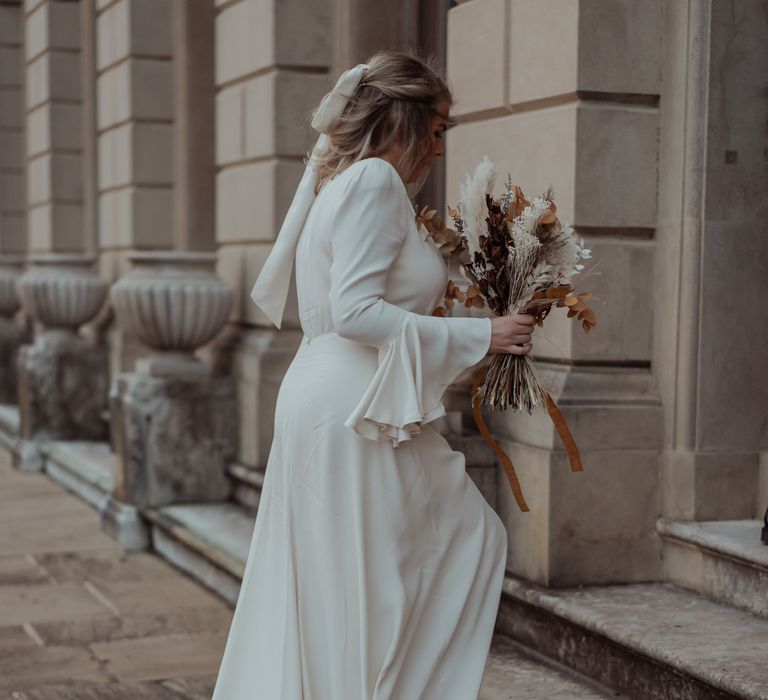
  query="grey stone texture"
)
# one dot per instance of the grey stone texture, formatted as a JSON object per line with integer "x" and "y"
{"x": 174, "y": 438}
{"x": 11, "y": 338}
{"x": 652, "y": 641}
{"x": 722, "y": 559}
{"x": 63, "y": 386}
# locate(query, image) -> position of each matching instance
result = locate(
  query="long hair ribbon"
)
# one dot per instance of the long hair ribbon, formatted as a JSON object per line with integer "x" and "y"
{"x": 270, "y": 290}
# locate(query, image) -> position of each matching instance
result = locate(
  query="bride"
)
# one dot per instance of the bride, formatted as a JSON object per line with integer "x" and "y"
{"x": 376, "y": 565}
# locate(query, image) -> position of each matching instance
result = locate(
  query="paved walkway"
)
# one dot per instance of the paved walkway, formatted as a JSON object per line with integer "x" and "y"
{"x": 81, "y": 620}
{"x": 75, "y": 610}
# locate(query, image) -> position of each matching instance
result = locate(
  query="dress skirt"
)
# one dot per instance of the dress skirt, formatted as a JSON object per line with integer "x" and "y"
{"x": 374, "y": 571}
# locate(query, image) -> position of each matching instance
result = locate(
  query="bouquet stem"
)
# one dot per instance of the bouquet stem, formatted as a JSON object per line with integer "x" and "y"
{"x": 510, "y": 380}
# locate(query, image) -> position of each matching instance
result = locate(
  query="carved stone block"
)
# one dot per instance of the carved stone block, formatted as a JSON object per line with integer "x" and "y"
{"x": 63, "y": 383}
{"x": 174, "y": 437}
{"x": 11, "y": 337}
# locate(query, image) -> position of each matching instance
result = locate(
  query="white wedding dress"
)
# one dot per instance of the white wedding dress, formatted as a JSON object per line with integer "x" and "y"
{"x": 376, "y": 565}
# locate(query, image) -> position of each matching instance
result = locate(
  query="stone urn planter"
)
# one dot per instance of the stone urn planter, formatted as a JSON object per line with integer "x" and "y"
{"x": 174, "y": 303}
{"x": 61, "y": 291}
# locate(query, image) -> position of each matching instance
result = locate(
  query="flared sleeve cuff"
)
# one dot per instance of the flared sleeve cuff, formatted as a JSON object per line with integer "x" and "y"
{"x": 414, "y": 370}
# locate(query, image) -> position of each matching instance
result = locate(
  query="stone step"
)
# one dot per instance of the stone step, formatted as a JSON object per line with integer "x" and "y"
{"x": 9, "y": 425}
{"x": 724, "y": 560}
{"x": 514, "y": 672}
{"x": 209, "y": 541}
{"x": 84, "y": 467}
{"x": 651, "y": 641}
{"x": 246, "y": 484}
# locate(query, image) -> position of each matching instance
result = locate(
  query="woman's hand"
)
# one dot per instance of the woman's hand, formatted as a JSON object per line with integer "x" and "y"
{"x": 511, "y": 334}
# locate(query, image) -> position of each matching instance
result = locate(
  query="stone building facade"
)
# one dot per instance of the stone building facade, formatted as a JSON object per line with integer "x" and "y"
{"x": 150, "y": 148}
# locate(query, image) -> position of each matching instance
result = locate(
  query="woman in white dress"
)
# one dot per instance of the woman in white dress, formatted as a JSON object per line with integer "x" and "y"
{"x": 376, "y": 565}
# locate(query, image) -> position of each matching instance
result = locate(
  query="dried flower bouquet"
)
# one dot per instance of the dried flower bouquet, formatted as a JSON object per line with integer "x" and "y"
{"x": 517, "y": 258}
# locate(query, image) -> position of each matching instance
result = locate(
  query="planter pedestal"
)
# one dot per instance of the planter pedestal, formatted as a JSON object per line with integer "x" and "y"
{"x": 63, "y": 378}
{"x": 174, "y": 426}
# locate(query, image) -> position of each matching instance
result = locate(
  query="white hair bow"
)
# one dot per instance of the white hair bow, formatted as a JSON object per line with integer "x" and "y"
{"x": 271, "y": 288}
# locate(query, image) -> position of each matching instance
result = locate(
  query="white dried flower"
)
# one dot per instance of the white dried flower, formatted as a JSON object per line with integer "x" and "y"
{"x": 472, "y": 204}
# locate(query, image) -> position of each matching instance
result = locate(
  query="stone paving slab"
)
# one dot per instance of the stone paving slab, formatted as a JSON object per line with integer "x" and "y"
{"x": 167, "y": 656}
{"x": 21, "y": 568}
{"x": 48, "y": 601}
{"x": 188, "y": 689}
{"x": 115, "y": 627}
{"x": 27, "y": 666}
{"x": 79, "y": 618}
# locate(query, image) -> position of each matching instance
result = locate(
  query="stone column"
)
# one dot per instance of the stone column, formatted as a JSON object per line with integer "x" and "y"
{"x": 13, "y": 235}
{"x": 565, "y": 93}
{"x": 63, "y": 377}
{"x": 174, "y": 421}
{"x": 273, "y": 63}
{"x": 710, "y": 285}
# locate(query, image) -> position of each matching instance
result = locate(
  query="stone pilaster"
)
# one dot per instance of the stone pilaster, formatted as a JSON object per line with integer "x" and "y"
{"x": 135, "y": 141}
{"x": 54, "y": 187}
{"x": 12, "y": 160}
{"x": 566, "y": 93}
{"x": 13, "y": 234}
{"x": 273, "y": 65}
{"x": 710, "y": 330}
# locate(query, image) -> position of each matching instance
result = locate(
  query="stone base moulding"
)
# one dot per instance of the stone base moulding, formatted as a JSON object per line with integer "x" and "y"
{"x": 125, "y": 524}
{"x": 711, "y": 485}
{"x": 174, "y": 438}
{"x": 595, "y": 526}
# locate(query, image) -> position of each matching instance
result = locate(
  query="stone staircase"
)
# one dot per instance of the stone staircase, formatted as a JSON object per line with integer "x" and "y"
{"x": 701, "y": 634}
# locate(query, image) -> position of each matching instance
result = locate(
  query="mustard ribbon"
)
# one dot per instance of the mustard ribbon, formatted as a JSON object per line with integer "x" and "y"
{"x": 574, "y": 459}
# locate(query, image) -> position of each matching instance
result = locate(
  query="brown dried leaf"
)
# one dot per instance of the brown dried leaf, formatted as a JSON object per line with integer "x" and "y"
{"x": 547, "y": 217}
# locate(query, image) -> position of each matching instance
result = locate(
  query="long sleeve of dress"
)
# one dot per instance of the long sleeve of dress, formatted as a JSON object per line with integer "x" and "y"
{"x": 419, "y": 355}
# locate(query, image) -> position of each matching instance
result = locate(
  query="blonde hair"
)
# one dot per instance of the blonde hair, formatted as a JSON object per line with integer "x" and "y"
{"x": 393, "y": 105}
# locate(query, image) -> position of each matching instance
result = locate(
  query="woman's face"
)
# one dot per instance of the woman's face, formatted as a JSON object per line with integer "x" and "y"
{"x": 438, "y": 124}
{"x": 437, "y": 127}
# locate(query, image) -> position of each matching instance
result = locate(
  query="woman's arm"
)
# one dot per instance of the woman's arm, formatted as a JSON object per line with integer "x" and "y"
{"x": 368, "y": 230}
{"x": 419, "y": 356}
